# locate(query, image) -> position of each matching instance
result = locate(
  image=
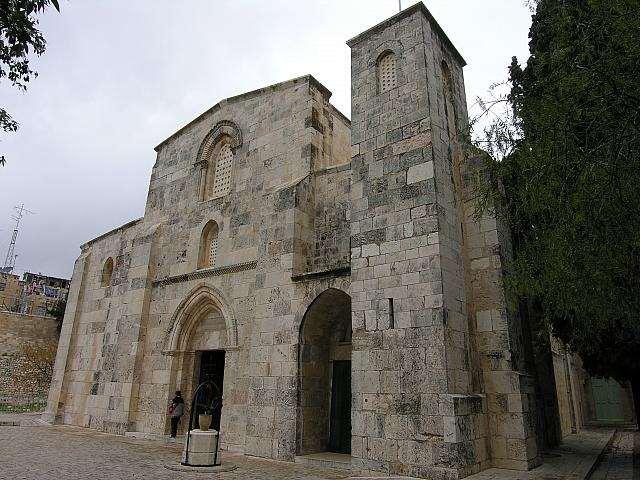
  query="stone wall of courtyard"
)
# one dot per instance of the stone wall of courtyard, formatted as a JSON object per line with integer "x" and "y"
{"x": 16, "y": 331}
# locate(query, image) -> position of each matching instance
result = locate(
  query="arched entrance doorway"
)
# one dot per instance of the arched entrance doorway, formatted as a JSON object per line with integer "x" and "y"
{"x": 199, "y": 339}
{"x": 324, "y": 366}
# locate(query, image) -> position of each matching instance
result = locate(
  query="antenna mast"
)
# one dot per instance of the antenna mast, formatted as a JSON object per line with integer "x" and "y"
{"x": 10, "y": 259}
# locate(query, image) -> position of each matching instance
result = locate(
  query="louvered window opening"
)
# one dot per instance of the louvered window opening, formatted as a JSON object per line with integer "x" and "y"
{"x": 387, "y": 73}
{"x": 222, "y": 175}
{"x": 213, "y": 249}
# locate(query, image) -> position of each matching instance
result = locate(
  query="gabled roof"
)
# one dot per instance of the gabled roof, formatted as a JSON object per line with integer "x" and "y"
{"x": 310, "y": 79}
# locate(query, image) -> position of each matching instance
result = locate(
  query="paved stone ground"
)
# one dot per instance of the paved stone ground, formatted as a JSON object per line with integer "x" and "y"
{"x": 33, "y": 451}
{"x": 69, "y": 453}
{"x": 621, "y": 460}
{"x": 573, "y": 460}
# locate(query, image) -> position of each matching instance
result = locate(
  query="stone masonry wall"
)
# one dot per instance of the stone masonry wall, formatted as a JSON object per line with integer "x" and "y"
{"x": 496, "y": 332}
{"x": 402, "y": 378}
{"x": 410, "y": 227}
{"x": 16, "y": 330}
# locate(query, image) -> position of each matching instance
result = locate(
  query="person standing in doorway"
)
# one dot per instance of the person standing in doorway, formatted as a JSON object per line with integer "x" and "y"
{"x": 176, "y": 410}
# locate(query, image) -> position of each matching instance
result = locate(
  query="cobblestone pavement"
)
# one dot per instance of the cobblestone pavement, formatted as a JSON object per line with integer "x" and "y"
{"x": 618, "y": 461}
{"x": 69, "y": 453}
{"x": 30, "y": 419}
{"x": 573, "y": 460}
{"x": 33, "y": 451}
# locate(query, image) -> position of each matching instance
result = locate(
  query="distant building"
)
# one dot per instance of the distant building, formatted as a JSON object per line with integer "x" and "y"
{"x": 34, "y": 294}
{"x": 41, "y": 292}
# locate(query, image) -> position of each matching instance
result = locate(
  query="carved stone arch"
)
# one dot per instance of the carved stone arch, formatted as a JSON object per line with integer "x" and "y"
{"x": 337, "y": 283}
{"x": 188, "y": 313}
{"x": 224, "y": 128}
{"x": 390, "y": 46}
{"x": 225, "y": 135}
{"x": 324, "y": 342}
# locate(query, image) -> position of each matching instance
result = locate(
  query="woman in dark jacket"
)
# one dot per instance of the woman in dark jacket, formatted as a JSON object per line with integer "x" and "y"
{"x": 176, "y": 410}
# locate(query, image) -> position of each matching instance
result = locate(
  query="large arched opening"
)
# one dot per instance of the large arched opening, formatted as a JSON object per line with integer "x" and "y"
{"x": 199, "y": 340}
{"x": 324, "y": 366}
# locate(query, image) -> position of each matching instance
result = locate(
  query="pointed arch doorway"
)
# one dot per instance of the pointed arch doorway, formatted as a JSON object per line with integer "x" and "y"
{"x": 202, "y": 341}
{"x": 324, "y": 369}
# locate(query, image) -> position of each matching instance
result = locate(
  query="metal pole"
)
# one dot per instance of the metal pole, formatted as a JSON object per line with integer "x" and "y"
{"x": 191, "y": 413}
{"x": 399, "y": 5}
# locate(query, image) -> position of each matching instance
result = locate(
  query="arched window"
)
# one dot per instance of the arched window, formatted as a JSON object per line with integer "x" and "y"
{"x": 208, "y": 246}
{"x": 215, "y": 158}
{"x": 222, "y": 175}
{"x": 107, "y": 272}
{"x": 387, "y": 75}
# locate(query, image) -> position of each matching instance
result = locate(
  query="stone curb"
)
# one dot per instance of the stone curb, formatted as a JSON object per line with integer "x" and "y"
{"x": 601, "y": 456}
{"x": 178, "y": 467}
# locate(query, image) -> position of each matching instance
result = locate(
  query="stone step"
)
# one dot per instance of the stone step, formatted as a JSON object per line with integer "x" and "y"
{"x": 336, "y": 461}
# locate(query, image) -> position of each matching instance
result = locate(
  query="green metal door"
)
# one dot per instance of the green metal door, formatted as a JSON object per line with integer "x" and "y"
{"x": 340, "y": 419}
{"x": 607, "y": 395}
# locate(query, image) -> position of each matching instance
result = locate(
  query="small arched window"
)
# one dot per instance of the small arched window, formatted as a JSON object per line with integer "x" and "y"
{"x": 387, "y": 75}
{"x": 107, "y": 272}
{"x": 222, "y": 173}
{"x": 208, "y": 246}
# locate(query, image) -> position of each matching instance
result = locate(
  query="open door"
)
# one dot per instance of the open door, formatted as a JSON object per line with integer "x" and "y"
{"x": 212, "y": 369}
{"x": 340, "y": 418}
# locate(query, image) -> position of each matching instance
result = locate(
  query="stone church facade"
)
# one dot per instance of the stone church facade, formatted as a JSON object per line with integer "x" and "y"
{"x": 329, "y": 274}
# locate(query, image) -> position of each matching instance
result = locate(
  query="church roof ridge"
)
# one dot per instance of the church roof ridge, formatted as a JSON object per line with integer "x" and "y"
{"x": 243, "y": 96}
{"x": 121, "y": 228}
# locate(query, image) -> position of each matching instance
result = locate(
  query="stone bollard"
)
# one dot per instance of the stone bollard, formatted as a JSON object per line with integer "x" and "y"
{"x": 203, "y": 446}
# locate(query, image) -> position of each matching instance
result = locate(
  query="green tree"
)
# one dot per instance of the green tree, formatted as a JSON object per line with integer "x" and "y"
{"x": 19, "y": 37}
{"x": 566, "y": 164}
{"x": 57, "y": 311}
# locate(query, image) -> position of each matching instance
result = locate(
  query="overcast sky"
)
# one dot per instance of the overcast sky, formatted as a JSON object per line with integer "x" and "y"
{"x": 119, "y": 76}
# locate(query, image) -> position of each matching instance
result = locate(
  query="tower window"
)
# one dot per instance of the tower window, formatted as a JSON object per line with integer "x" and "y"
{"x": 387, "y": 75}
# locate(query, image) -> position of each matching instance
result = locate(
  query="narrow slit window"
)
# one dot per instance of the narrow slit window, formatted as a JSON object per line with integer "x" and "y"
{"x": 392, "y": 318}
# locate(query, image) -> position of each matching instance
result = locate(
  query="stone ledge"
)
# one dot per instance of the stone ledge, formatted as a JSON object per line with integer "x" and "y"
{"x": 208, "y": 272}
{"x": 335, "y": 272}
{"x": 335, "y": 461}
